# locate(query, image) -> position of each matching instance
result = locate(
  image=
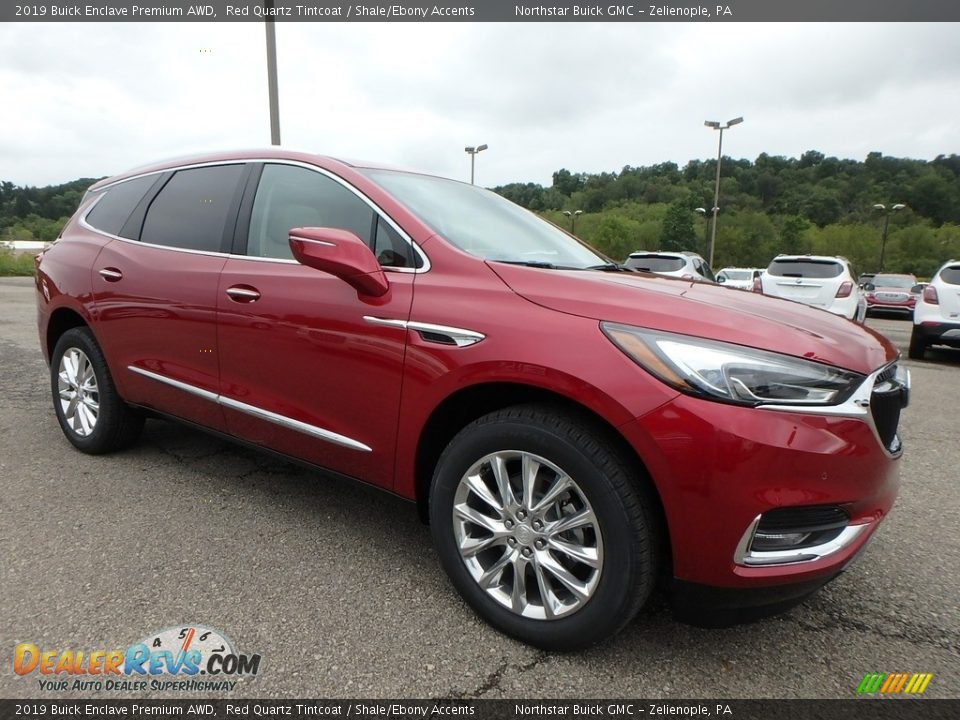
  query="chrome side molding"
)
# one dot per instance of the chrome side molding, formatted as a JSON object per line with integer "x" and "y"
{"x": 282, "y": 420}
{"x": 440, "y": 334}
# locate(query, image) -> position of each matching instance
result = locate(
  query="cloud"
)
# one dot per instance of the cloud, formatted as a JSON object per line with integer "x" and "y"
{"x": 586, "y": 96}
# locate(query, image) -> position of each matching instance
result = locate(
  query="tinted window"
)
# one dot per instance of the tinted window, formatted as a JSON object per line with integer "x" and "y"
{"x": 289, "y": 196}
{"x": 112, "y": 210}
{"x": 805, "y": 268}
{"x": 655, "y": 263}
{"x": 896, "y": 281}
{"x": 391, "y": 249}
{"x": 951, "y": 275}
{"x": 191, "y": 210}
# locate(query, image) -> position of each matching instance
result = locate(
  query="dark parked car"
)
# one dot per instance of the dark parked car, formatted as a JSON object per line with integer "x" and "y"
{"x": 572, "y": 432}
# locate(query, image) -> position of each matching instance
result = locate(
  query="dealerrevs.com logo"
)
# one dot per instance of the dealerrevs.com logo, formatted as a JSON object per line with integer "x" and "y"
{"x": 187, "y": 658}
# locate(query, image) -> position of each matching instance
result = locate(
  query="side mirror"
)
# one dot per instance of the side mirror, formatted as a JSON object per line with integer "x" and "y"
{"x": 721, "y": 278}
{"x": 916, "y": 289}
{"x": 869, "y": 287}
{"x": 340, "y": 253}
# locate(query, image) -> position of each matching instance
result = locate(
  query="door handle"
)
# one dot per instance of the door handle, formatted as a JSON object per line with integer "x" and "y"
{"x": 111, "y": 274}
{"x": 243, "y": 293}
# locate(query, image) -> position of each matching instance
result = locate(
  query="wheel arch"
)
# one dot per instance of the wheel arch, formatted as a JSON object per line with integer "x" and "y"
{"x": 61, "y": 320}
{"x": 467, "y": 404}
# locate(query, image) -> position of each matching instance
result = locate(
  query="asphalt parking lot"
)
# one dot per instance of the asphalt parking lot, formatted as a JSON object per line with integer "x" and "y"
{"x": 338, "y": 587}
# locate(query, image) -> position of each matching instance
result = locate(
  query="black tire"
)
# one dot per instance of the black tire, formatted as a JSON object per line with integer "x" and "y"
{"x": 918, "y": 345}
{"x": 117, "y": 425}
{"x": 617, "y": 492}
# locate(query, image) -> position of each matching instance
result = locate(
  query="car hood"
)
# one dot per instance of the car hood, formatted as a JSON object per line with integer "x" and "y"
{"x": 703, "y": 310}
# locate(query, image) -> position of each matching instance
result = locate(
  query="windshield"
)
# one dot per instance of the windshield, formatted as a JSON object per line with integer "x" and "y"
{"x": 483, "y": 223}
{"x": 655, "y": 263}
{"x": 896, "y": 281}
{"x": 805, "y": 268}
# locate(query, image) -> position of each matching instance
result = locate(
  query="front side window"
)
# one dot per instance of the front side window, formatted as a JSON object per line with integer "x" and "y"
{"x": 290, "y": 197}
{"x": 112, "y": 210}
{"x": 191, "y": 210}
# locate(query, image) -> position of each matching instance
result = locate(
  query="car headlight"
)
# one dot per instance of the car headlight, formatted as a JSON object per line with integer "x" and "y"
{"x": 732, "y": 373}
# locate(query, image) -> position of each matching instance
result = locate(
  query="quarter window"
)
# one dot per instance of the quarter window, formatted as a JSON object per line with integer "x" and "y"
{"x": 113, "y": 209}
{"x": 192, "y": 208}
{"x": 951, "y": 275}
{"x": 289, "y": 197}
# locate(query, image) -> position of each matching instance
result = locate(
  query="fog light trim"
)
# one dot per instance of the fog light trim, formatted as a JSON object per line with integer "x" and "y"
{"x": 745, "y": 555}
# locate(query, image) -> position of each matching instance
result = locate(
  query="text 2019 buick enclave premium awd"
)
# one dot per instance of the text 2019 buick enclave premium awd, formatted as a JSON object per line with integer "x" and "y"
{"x": 572, "y": 431}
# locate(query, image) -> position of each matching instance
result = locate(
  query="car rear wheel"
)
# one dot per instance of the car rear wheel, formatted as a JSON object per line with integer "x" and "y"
{"x": 544, "y": 527}
{"x": 918, "y": 345}
{"x": 91, "y": 414}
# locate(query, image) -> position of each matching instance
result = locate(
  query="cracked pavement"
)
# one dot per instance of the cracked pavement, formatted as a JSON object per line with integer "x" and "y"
{"x": 338, "y": 587}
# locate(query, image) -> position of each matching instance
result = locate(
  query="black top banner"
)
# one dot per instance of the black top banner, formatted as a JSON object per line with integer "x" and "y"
{"x": 484, "y": 11}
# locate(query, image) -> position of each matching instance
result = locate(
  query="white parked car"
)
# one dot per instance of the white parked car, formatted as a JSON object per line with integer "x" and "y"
{"x": 685, "y": 264}
{"x": 739, "y": 278}
{"x": 936, "y": 317}
{"x": 825, "y": 282}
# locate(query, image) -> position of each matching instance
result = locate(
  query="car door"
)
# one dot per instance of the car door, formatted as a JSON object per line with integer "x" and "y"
{"x": 155, "y": 293}
{"x": 308, "y": 368}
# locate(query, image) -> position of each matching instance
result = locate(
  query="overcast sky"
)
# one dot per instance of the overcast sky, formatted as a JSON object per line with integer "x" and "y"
{"x": 87, "y": 99}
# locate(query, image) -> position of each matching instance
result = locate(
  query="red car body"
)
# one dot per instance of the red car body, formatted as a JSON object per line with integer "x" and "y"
{"x": 305, "y": 351}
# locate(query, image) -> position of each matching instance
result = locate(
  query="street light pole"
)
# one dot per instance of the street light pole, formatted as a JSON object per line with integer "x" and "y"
{"x": 716, "y": 192}
{"x": 272, "y": 74}
{"x": 886, "y": 226}
{"x": 706, "y": 227}
{"x": 472, "y": 152}
{"x": 573, "y": 219}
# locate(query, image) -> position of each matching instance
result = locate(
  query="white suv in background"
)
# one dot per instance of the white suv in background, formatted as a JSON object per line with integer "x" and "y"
{"x": 936, "y": 317}
{"x": 685, "y": 264}
{"x": 825, "y": 282}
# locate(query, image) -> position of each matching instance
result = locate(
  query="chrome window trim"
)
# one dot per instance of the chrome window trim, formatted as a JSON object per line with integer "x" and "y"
{"x": 276, "y": 418}
{"x": 274, "y": 161}
{"x": 461, "y": 337}
{"x": 744, "y": 556}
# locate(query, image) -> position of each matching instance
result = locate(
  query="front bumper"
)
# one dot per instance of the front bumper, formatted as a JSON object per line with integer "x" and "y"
{"x": 717, "y": 467}
{"x": 903, "y": 306}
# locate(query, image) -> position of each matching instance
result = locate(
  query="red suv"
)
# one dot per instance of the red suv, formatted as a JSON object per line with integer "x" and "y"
{"x": 572, "y": 430}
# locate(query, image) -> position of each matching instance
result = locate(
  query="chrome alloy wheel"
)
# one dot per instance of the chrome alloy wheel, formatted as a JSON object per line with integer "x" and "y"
{"x": 79, "y": 392}
{"x": 527, "y": 534}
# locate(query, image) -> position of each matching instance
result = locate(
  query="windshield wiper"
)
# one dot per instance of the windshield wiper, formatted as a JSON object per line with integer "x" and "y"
{"x": 610, "y": 267}
{"x": 531, "y": 263}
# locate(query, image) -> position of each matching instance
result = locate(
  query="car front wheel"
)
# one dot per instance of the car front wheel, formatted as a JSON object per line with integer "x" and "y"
{"x": 92, "y": 415}
{"x": 544, "y": 527}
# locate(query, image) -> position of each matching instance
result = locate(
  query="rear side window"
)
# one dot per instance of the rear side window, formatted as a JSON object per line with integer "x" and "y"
{"x": 191, "y": 211}
{"x": 655, "y": 263}
{"x": 817, "y": 269}
{"x": 113, "y": 209}
{"x": 951, "y": 275}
